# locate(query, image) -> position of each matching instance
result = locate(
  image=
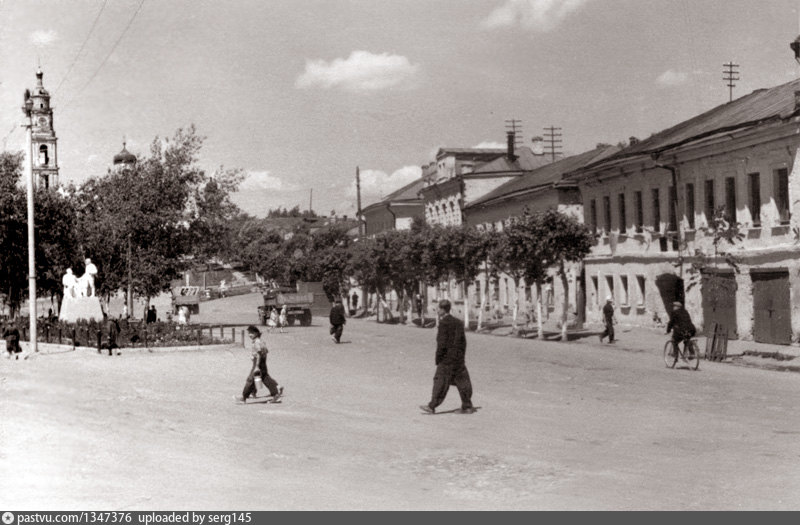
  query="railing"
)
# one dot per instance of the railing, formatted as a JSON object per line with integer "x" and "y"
{"x": 112, "y": 334}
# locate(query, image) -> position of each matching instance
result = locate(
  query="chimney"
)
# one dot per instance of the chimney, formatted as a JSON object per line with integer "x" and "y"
{"x": 510, "y": 142}
{"x": 633, "y": 140}
{"x": 538, "y": 145}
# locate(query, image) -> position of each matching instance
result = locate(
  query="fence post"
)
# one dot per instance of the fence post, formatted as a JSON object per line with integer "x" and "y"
{"x": 59, "y": 335}
{"x": 145, "y": 337}
{"x": 99, "y": 340}
{"x": 74, "y": 337}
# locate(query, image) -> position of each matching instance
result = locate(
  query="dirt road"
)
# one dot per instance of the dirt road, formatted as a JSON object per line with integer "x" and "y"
{"x": 560, "y": 426}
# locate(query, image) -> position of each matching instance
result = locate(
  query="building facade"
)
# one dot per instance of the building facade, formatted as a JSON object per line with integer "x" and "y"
{"x": 662, "y": 208}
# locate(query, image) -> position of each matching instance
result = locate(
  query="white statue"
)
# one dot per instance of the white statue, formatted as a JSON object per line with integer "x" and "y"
{"x": 69, "y": 281}
{"x": 87, "y": 279}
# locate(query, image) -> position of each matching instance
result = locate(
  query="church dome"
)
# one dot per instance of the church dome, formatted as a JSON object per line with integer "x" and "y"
{"x": 124, "y": 157}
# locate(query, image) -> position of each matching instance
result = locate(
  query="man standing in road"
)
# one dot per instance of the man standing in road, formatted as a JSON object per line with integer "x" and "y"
{"x": 337, "y": 320}
{"x": 451, "y": 346}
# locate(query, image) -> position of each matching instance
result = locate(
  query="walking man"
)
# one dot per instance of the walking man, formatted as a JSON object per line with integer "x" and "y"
{"x": 608, "y": 320}
{"x": 451, "y": 345}
{"x": 337, "y": 320}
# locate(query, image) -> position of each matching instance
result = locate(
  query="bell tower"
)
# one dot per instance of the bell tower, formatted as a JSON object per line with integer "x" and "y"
{"x": 43, "y": 137}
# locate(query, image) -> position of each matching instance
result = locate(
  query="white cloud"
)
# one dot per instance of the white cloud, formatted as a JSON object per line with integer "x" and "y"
{"x": 264, "y": 180}
{"x": 540, "y": 15}
{"x": 376, "y": 184}
{"x": 672, "y": 78}
{"x": 43, "y": 38}
{"x": 361, "y": 71}
{"x": 490, "y": 145}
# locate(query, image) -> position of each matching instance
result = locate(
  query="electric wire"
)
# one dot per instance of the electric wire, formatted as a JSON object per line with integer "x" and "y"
{"x": 113, "y": 48}
{"x": 78, "y": 54}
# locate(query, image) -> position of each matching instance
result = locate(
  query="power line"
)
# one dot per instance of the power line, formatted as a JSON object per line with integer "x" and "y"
{"x": 78, "y": 54}
{"x": 113, "y": 48}
{"x": 553, "y": 140}
{"x": 729, "y": 73}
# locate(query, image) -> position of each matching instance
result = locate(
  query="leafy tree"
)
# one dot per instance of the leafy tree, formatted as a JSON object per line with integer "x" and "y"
{"x": 212, "y": 228}
{"x": 54, "y": 234}
{"x": 563, "y": 240}
{"x": 141, "y": 217}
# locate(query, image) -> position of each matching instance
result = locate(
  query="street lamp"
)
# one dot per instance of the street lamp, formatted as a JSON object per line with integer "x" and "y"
{"x": 27, "y": 109}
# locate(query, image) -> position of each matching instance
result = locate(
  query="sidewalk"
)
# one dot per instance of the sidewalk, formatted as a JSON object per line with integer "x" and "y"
{"x": 638, "y": 339}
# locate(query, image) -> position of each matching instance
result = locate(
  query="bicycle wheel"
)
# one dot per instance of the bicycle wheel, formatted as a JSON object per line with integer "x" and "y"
{"x": 670, "y": 354}
{"x": 693, "y": 356}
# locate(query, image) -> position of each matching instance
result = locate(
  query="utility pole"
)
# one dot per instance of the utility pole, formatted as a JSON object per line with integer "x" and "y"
{"x": 26, "y": 109}
{"x": 310, "y": 200}
{"x": 730, "y": 75}
{"x": 358, "y": 203}
{"x": 515, "y": 126}
{"x": 553, "y": 140}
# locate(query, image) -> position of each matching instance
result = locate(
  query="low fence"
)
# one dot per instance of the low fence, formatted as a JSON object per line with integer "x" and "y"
{"x": 113, "y": 334}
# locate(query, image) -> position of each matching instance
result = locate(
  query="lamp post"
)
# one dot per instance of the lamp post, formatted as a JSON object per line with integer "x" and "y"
{"x": 26, "y": 109}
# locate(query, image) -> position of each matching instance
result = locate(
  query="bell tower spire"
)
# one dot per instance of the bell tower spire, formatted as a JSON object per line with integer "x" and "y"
{"x": 44, "y": 141}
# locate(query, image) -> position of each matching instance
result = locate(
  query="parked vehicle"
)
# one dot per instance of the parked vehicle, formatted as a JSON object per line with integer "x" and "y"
{"x": 298, "y": 305}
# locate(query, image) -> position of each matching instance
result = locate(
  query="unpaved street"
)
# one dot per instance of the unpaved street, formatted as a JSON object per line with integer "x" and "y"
{"x": 574, "y": 426}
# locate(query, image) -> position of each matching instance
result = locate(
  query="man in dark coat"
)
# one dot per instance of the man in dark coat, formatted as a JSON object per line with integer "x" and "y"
{"x": 680, "y": 324}
{"x": 337, "y": 320}
{"x": 451, "y": 345}
{"x": 608, "y": 320}
{"x": 11, "y": 335}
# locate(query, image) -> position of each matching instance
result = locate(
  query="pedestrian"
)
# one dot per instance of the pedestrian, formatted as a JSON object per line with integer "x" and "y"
{"x": 259, "y": 368}
{"x": 282, "y": 321}
{"x": 152, "y": 316}
{"x": 11, "y": 335}
{"x": 451, "y": 346}
{"x": 608, "y": 320}
{"x": 338, "y": 320}
{"x": 418, "y": 305}
{"x": 355, "y": 300}
{"x": 272, "y": 322}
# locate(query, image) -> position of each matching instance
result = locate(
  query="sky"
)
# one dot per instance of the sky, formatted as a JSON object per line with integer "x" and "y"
{"x": 298, "y": 93}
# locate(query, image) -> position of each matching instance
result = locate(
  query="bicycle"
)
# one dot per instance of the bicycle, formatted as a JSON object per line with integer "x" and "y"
{"x": 673, "y": 352}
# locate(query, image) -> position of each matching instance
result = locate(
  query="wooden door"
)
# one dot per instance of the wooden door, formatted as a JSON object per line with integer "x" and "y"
{"x": 772, "y": 321}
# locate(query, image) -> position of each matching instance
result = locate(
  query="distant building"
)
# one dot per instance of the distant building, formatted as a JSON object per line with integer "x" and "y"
{"x": 123, "y": 159}
{"x": 462, "y": 176}
{"x": 44, "y": 141}
{"x": 396, "y": 211}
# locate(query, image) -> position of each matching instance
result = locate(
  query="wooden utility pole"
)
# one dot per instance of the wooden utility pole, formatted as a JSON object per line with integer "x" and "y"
{"x": 310, "y": 199}
{"x": 515, "y": 126}
{"x": 358, "y": 203}
{"x": 553, "y": 140}
{"x": 730, "y": 75}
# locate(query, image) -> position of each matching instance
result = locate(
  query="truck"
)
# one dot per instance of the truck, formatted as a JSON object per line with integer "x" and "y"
{"x": 298, "y": 305}
{"x": 188, "y": 296}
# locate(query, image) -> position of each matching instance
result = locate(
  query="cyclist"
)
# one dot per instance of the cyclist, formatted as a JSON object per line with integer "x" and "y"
{"x": 680, "y": 323}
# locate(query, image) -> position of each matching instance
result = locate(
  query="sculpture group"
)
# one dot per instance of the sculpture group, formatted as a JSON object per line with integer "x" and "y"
{"x": 82, "y": 286}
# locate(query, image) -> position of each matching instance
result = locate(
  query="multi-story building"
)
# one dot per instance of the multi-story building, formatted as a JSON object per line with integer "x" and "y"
{"x": 464, "y": 175}
{"x": 653, "y": 205}
{"x": 537, "y": 190}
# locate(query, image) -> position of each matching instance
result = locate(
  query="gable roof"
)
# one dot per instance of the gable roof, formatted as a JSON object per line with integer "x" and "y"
{"x": 408, "y": 193}
{"x": 759, "y": 107}
{"x": 546, "y": 175}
